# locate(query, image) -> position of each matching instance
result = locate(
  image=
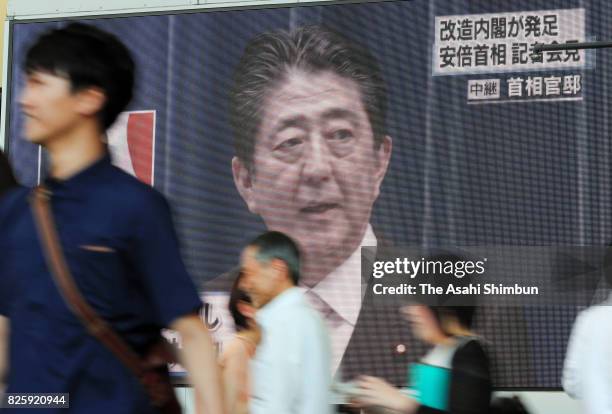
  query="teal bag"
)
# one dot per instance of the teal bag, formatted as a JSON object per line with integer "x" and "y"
{"x": 430, "y": 385}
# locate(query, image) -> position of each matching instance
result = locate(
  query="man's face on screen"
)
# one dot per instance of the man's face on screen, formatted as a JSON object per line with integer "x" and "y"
{"x": 316, "y": 171}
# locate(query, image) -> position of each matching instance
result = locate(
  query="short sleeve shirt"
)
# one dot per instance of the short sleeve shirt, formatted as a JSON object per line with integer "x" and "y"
{"x": 121, "y": 248}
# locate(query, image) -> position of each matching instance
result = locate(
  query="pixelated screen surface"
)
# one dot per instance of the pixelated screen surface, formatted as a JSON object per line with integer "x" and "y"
{"x": 482, "y": 143}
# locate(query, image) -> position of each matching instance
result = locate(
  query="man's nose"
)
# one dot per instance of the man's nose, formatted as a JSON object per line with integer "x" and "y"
{"x": 245, "y": 283}
{"x": 26, "y": 98}
{"x": 318, "y": 160}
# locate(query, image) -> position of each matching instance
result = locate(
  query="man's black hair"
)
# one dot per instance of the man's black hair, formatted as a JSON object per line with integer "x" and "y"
{"x": 270, "y": 56}
{"x": 87, "y": 57}
{"x": 277, "y": 245}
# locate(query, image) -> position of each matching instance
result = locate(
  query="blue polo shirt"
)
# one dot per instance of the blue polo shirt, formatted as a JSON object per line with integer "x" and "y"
{"x": 119, "y": 242}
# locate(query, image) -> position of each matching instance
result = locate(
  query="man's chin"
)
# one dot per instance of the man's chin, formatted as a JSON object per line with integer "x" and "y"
{"x": 318, "y": 245}
{"x": 325, "y": 252}
{"x": 35, "y": 139}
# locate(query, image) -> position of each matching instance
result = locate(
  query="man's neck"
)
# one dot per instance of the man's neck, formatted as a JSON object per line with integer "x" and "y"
{"x": 75, "y": 151}
{"x": 282, "y": 288}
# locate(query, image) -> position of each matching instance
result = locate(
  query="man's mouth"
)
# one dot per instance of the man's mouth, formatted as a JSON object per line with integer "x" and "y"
{"x": 318, "y": 208}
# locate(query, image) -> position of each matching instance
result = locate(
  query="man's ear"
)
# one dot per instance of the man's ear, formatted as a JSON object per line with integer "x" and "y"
{"x": 243, "y": 181}
{"x": 383, "y": 157}
{"x": 90, "y": 101}
{"x": 281, "y": 270}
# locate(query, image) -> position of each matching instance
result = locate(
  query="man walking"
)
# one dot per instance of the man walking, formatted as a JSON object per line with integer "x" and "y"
{"x": 115, "y": 232}
{"x": 291, "y": 369}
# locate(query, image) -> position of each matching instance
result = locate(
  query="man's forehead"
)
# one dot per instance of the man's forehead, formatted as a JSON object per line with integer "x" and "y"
{"x": 248, "y": 255}
{"x": 52, "y": 79}
{"x": 40, "y": 72}
{"x": 303, "y": 86}
{"x": 306, "y": 97}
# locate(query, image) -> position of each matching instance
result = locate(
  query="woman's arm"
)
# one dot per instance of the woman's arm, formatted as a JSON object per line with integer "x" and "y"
{"x": 234, "y": 374}
{"x": 376, "y": 392}
{"x": 198, "y": 357}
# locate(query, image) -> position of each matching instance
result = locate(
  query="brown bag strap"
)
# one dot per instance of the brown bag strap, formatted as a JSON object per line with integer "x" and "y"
{"x": 97, "y": 327}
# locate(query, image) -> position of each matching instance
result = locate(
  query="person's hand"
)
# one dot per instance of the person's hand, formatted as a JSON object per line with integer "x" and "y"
{"x": 374, "y": 391}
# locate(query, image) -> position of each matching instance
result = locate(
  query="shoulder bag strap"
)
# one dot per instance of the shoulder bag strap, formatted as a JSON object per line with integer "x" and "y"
{"x": 97, "y": 327}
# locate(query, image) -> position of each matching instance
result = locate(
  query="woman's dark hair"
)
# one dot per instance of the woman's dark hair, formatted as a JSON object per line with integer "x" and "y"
{"x": 463, "y": 314}
{"x": 445, "y": 306}
{"x": 238, "y": 295}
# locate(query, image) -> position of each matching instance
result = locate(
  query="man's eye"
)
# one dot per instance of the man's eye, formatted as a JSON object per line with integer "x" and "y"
{"x": 289, "y": 144}
{"x": 342, "y": 135}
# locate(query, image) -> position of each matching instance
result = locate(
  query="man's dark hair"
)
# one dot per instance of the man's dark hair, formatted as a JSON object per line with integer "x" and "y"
{"x": 87, "y": 57}
{"x": 7, "y": 179}
{"x": 267, "y": 60}
{"x": 238, "y": 295}
{"x": 277, "y": 245}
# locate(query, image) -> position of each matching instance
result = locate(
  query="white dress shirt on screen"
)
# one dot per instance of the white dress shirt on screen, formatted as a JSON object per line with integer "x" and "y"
{"x": 338, "y": 298}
